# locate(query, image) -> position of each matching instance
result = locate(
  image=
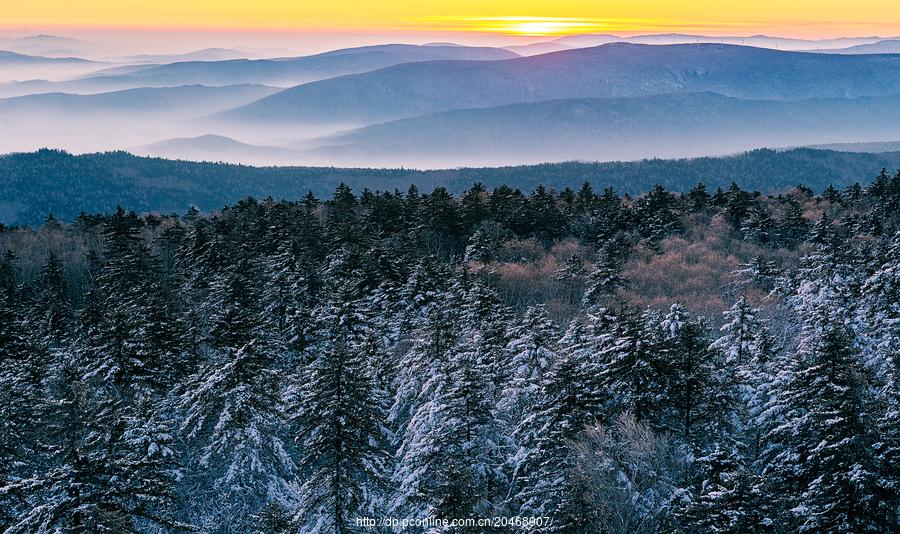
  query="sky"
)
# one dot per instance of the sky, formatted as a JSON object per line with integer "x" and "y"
{"x": 518, "y": 18}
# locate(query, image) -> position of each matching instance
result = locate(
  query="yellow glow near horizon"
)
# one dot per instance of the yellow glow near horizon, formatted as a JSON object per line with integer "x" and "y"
{"x": 535, "y": 26}
{"x": 505, "y": 17}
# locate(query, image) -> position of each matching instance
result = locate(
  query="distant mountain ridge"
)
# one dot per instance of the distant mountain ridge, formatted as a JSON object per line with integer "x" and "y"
{"x": 295, "y": 70}
{"x": 613, "y": 70}
{"x": 198, "y": 99}
{"x": 888, "y": 46}
{"x": 15, "y": 58}
{"x": 874, "y": 147}
{"x": 215, "y": 148}
{"x": 674, "y": 125}
{"x": 764, "y": 41}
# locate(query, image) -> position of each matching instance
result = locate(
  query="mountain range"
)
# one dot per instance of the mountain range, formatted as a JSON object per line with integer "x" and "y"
{"x": 196, "y": 99}
{"x": 581, "y": 97}
{"x": 762, "y": 41}
{"x": 19, "y": 66}
{"x": 217, "y": 148}
{"x": 612, "y": 70}
{"x": 888, "y": 46}
{"x": 287, "y": 71}
{"x": 669, "y": 125}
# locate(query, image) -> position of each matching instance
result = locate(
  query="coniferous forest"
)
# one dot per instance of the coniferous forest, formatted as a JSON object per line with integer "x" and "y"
{"x": 547, "y": 361}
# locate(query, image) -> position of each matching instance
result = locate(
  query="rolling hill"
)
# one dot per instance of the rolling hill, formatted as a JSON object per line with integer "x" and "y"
{"x": 216, "y": 148}
{"x": 762, "y": 41}
{"x": 293, "y": 71}
{"x": 613, "y": 70}
{"x": 675, "y": 125}
{"x": 195, "y": 99}
{"x": 8, "y": 58}
{"x": 888, "y": 46}
{"x": 18, "y": 66}
{"x": 871, "y": 147}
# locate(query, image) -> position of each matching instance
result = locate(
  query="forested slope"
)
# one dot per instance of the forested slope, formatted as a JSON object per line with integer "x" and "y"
{"x": 292, "y": 366}
{"x": 44, "y": 182}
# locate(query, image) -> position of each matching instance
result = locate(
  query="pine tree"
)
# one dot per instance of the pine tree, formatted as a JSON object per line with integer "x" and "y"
{"x": 450, "y": 451}
{"x": 603, "y": 281}
{"x": 696, "y": 402}
{"x": 431, "y": 342}
{"x": 738, "y": 333}
{"x": 111, "y": 471}
{"x": 758, "y": 226}
{"x": 117, "y": 342}
{"x": 878, "y": 319}
{"x": 484, "y": 317}
{"x": 447, "y": 462}
{"x": 21, "y": 396}
{"x": 232, "y": 411}
{"x": 232, "y": 419}
{"x": 720, "y": 504}
{"x": 793, "y": 226}
{"x": 288, "y": 298}
{"x": 480, "y": 248}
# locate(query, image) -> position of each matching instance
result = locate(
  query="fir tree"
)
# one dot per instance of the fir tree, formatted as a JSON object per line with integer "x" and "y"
{"x": 603, "y": 281}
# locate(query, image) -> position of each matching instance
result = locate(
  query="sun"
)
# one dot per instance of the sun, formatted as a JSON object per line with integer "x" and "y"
{"x": 539, "y": 26}
{"x": 527, "y": 26}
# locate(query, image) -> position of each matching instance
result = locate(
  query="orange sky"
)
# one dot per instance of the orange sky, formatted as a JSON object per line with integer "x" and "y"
{"x": 802, "y": 18}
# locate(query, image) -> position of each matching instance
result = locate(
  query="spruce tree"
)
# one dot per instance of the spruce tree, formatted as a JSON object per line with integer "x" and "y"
{"x": 53, "y": 303}
{"x": 630, "y": 368}
{"x": 339, "y": 421}
{"x": 232, "y": 413}
{"x": 547, "y": 482}
{"x": 824, "y": 464}
{"x": 533, "y": 351}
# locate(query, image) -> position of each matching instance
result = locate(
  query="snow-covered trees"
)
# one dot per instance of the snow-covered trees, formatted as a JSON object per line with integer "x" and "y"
{"x": 630, "y": 369}
{"x": 533, "y": 352}
{"x": 826, "y": 440}
{"x": 451, "y": 451}
{"x": 571, "y": 398}
{"x": 232, "y": 420}
{"x": 340, "y": 423}
{"x": 112, "y": 471}
{"x": 738, "y": 333}
{"x": 720, "y": 504}
{"x": 631, "y": 476}
{"x": 232, "y": 414}
{"x": 295, "y": 366}
{"x": 604, "y": 280}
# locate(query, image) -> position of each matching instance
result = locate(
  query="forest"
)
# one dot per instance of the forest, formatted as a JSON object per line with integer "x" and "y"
{"x": 711, "y": 360}
{"x": 53, "y": 181}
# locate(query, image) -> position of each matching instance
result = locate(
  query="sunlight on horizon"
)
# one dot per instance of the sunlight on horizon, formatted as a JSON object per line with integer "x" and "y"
{"x": 534, "y": 26}
{"x": 523, "y": 18}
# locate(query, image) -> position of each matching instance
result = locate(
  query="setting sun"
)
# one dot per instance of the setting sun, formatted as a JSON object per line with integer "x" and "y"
{"x": 536, "y": 26}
